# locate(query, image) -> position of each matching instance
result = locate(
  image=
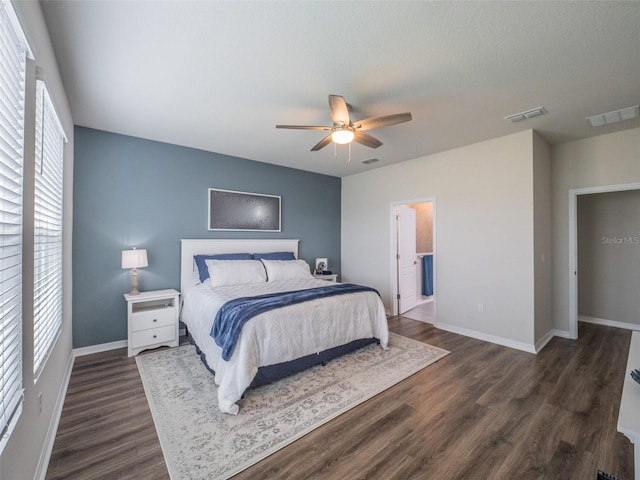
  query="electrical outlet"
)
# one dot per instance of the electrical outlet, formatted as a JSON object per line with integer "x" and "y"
{"x": 480, "y": 307}
{"x": 39, "y": 403}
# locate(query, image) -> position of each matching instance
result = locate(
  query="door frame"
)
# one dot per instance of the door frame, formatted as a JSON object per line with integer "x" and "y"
{"x": 573, "y": 245}
{"x": 393, "y": 242}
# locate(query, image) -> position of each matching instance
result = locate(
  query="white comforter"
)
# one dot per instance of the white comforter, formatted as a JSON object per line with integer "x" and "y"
{"x": 279, "y": 335}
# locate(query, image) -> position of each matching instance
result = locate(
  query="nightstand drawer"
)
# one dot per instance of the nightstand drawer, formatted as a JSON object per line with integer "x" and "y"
{"x": 152, "y": 336}
{"x": 153, "y": 318}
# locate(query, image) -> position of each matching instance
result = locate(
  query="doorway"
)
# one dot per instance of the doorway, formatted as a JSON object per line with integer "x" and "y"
{"x": 413, "y": 259}
{"x": 573, "y": 246}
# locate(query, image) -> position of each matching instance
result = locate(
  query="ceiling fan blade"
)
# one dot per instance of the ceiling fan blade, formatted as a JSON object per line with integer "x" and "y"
{"x": 382, "y": 121}
{"x": 304, "y": 127}
{"x": 322, "y": 143}
{"x": 339, "y": 110}
{"x": 366, "y": 139}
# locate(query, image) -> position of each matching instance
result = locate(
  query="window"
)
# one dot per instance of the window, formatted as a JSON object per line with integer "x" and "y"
{"x": 47, "y": 314}
{"x": 13, "y": 53}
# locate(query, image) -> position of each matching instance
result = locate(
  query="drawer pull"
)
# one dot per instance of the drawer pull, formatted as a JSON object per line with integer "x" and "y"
{"x": 155, "y": 320}
{"x": 155, "y": 336}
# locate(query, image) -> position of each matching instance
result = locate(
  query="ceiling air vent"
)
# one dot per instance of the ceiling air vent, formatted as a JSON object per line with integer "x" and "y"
{"x": 370, "y": 160}
{"x": 518, "y": 117}
{"x": 613, "y": 117}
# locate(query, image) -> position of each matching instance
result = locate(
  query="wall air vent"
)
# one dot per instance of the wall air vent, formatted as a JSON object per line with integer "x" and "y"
{"x": 518, "y": 117}
{"x": 614, "y": 117}
{"x": 370, "y": 160}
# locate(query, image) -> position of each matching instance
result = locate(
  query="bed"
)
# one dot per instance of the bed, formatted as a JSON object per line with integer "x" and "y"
{"x": 273, "y": 343}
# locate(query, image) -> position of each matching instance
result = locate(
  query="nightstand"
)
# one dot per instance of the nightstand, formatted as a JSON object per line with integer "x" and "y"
{"x": 152, "y": 319}
{"x": 328, "y": 278}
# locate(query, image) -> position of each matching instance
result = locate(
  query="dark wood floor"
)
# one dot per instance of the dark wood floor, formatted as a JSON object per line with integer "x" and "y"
{"x": 483, "y": 412}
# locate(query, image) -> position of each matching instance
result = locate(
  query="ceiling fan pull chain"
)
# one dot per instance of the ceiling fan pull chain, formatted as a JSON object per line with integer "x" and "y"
{"x": 349, "y": 153}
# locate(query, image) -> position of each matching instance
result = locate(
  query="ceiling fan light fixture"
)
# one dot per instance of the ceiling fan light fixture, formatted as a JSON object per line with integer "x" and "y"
{"x": 342, "y": 135}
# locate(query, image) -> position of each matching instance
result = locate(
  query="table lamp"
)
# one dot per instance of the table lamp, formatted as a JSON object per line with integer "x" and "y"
{"x": 134, "y": 259}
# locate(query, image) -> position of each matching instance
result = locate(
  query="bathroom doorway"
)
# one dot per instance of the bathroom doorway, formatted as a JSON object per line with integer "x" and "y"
{"x": 414, "y": 259}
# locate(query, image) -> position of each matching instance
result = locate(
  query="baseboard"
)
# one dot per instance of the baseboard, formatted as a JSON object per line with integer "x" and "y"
{"x": 608, "y": 323}
{"x": 540, "y": 344}
{"x": 505, "y": 342}
{"x": 561, "y": 333}
{"x": 47, "y": 449}
{"x": 423, "y": 301}
{"x": 103, "y": 347}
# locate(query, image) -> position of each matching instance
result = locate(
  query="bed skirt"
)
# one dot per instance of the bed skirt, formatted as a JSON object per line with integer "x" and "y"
{"x": 272, "y": 373}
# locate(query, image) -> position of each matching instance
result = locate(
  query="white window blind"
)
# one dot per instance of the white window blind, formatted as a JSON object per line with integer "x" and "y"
{"x": 47, "y": 315}
{"x": 13, "y": 53}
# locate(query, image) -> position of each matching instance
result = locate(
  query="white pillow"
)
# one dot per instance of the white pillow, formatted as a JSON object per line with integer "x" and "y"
{"x": 235, "y": 272}
{"x": 286, "y": 269}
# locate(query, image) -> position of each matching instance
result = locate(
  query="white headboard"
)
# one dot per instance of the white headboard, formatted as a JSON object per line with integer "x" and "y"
{"x": 191, "y": 247}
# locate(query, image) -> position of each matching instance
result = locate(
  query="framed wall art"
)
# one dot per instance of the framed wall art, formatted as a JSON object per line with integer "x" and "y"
{"x": 230, "y": 210}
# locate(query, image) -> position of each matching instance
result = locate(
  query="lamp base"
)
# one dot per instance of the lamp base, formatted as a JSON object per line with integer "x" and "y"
{"x": 134, "y": 282}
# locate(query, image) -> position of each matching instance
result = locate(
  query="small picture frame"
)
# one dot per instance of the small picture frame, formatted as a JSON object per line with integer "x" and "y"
{"x": 322, "y": 264}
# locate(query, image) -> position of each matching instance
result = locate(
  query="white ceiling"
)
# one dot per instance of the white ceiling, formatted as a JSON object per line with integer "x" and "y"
{"x": 219, "y": 76}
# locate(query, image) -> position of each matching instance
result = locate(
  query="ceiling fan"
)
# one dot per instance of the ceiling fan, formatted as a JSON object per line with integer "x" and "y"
{"x": 344, "y": 130}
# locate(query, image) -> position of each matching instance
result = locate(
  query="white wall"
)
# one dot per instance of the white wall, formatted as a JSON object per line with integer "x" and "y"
{"x": 542, "y": 238}
{"x": 484, "y": 234}
{"x": 26, "y": 454}
{"x": 606, "y": 160}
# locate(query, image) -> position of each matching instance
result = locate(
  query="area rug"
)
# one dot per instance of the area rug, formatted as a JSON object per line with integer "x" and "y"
{"x": 200, "y": 442}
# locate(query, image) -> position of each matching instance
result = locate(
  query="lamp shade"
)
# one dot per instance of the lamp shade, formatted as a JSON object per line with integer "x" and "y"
{"x": 134, "y": 258}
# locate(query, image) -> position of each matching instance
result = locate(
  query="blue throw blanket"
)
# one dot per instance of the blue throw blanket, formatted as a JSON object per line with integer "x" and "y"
{"x": 235, "y": 313}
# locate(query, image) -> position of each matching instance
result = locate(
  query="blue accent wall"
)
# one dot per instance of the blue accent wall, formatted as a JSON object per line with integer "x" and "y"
{"x": 132, "y": 192}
